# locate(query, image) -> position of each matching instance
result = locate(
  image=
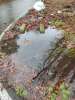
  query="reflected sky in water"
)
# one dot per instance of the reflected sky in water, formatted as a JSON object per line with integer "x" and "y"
{"x": 31, "y": 48}
{"x": 34, "y": 47}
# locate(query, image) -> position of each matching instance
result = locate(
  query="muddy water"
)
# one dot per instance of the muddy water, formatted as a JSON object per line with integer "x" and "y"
{"x": 11, "y": 9}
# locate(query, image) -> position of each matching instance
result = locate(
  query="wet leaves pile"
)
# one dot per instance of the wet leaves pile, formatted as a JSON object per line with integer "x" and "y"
{"x": 6, "y": 67}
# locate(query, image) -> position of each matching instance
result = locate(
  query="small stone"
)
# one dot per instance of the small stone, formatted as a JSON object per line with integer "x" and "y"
{"x": 52, "y": 14}
{"x": 59, "y": 11}
{"x": 39, "y": 5}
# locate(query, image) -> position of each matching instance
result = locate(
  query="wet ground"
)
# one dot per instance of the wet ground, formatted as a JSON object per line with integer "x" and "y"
{"x": 33, "y": 47}
{"x": 26, "y": 56}
{"x": 29, "y": 51}
{"x": 10, "y": 10}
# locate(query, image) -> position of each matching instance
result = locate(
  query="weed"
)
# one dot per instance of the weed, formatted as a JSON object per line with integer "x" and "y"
{"x": 62, "y": 91}
{"x": 57, "y": 22}
{"x": 71, "y": 52}
{"x": 42, "y": 28}
{"x": 22, "y": 28}
{"x": 20, "y": 91}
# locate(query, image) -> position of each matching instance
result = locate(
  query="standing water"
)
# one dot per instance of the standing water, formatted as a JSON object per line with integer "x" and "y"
{"x": 11, "y": 9}
{"x": 33, "y": 47}
{"x": 28, "y": 51}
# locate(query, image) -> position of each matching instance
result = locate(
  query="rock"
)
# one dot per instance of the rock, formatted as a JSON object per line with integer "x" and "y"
{"x": 59, "y": 11}
{"x": 39, "y": 5}
{"x": 52, "y": 14}
{"x": 60, "y": 36}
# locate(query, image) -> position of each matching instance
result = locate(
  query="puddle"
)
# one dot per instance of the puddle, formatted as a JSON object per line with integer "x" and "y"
{"x": 11, "y": 9}
{"x": 29, "y": 51}
{"x": 34, "y": 47}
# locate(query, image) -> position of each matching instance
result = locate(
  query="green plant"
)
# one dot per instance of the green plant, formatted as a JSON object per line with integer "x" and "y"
{"x": 71, "y": 52}
{"x": 62, "y": 91}
{"x": 57, "y": 22}
{"x": 22, "y": 28}
{"x": 20, "y": 91}
{"x": 53, "y": 96}
{"x": 67, "y": 36}
{"x": 59, "y": 49}
{"x": 42, "y": 28}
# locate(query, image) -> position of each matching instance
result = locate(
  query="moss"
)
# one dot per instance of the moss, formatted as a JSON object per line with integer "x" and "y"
{"x": 68, "y": 36}
{"x": 71, "y": 52}
{"x": 60, "y": 49}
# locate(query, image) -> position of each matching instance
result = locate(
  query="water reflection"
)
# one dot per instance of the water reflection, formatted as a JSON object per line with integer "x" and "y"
{"x": 10, "y": 10}
{"x": 34, "y": 47}
{"x": 31, "y": 48}
{"x": 28, "y": 53}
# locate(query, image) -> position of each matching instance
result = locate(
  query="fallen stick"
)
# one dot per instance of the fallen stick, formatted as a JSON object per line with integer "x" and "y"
{"x": 9, "y": 27}
{"x": 3, "y": 33}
